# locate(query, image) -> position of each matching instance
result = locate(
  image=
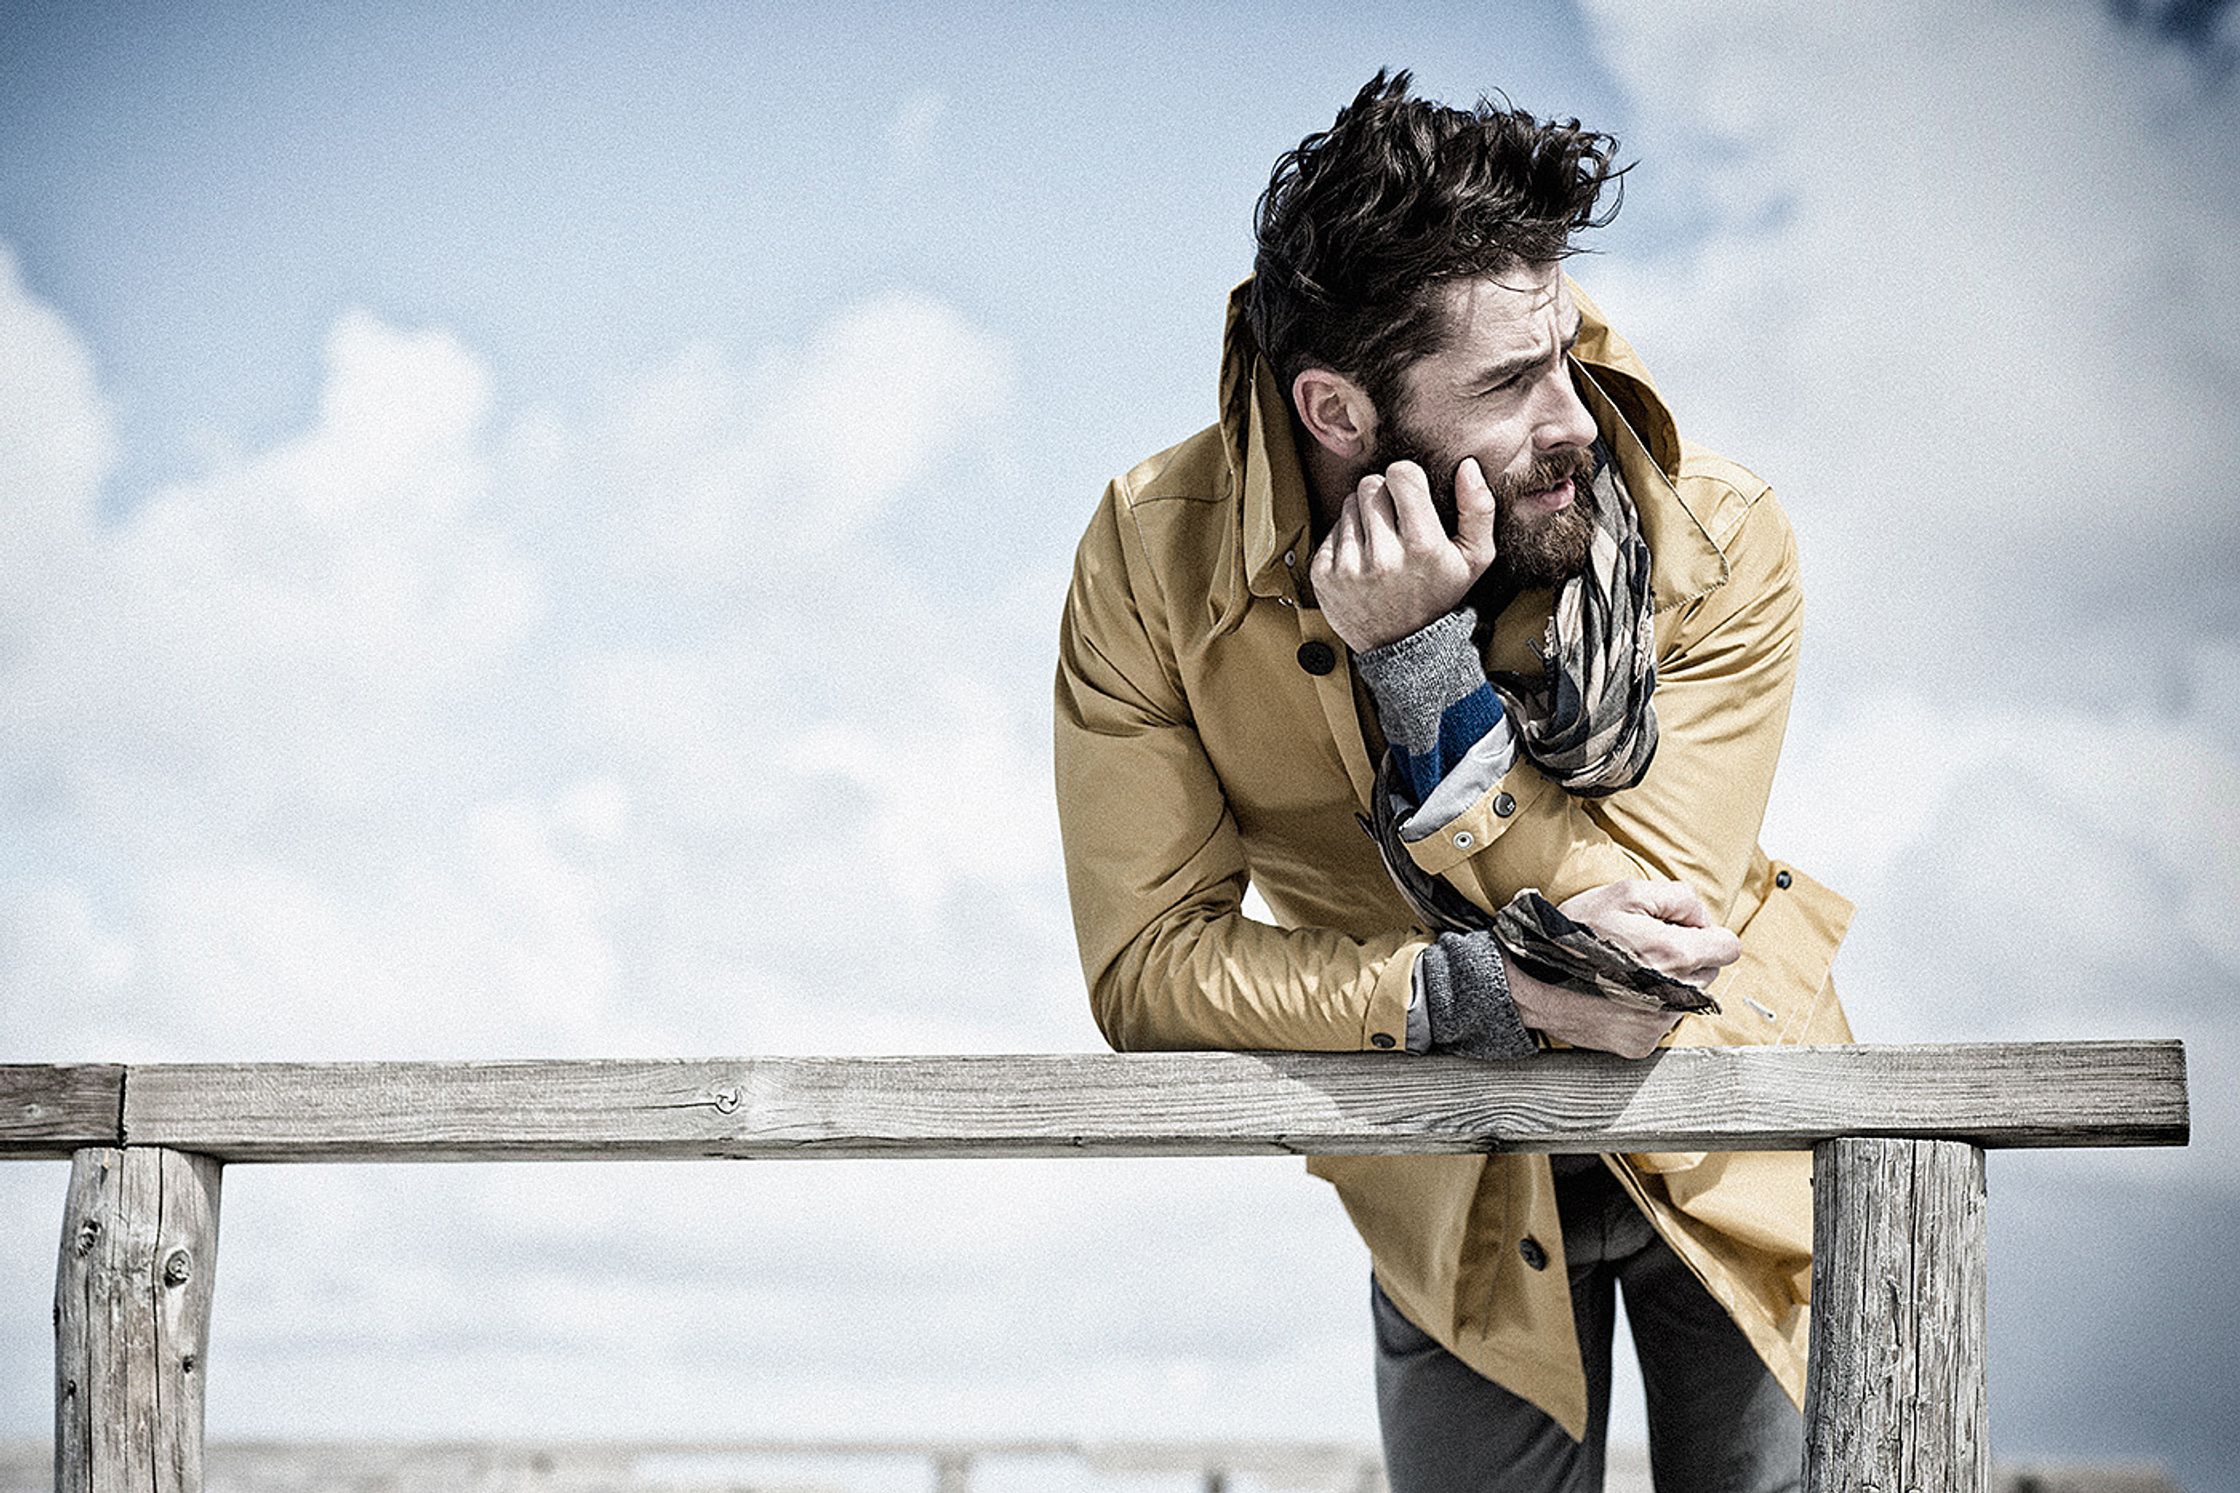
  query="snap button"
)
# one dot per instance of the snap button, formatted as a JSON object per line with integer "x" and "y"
{"x": 1781, "y": 879}
{"x": 1504, "y": 805}
{"x": 1316, "y": 657}
{"x": 1463, "y": 839}
{"x": 1381, "y": 1039}
{"x": 1290, "y": 557}
{"x": 1533, "y": 1254}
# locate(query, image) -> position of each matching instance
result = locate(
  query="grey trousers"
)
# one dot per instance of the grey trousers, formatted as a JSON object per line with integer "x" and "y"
{"x": 1718, "y": 1421}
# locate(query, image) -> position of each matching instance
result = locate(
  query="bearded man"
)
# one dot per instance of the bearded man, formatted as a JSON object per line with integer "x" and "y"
{"x": 1445, "y": 570}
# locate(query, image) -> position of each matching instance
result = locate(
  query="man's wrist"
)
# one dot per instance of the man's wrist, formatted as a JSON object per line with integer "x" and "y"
{"x": 1464, "y": 979}
{"x": 1417, "y": 678}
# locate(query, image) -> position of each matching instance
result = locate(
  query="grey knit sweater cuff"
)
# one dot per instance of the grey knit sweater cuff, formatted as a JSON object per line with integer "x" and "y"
{"x": 1466, "y": 994}
{"x": 1416, "y": 678}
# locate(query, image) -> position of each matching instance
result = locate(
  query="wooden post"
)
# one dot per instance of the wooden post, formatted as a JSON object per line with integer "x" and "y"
{"x": 952, "y": 1472}
{"x": 1894, "y": 1396}
{"x": 132, "y": 1320}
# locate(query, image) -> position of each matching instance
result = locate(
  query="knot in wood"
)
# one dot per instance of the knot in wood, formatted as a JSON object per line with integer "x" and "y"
{"x": 177, "y": 1266}
{"x": 88, "y": 1232}
{"x": 727, "y": 1100}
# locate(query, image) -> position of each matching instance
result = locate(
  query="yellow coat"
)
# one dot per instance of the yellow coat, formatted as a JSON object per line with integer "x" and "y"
{"x": 1197, "y": 752}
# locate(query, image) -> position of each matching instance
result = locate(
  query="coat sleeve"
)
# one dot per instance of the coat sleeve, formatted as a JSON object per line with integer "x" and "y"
{"x": 1154, "y": 865}
{"x": 1722, "y": 698}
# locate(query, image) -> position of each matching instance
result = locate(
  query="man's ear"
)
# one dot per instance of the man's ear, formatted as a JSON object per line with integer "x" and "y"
{"x": 1336, "y": 412}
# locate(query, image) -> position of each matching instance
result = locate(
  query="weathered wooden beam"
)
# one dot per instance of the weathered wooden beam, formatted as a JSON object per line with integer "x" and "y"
{"x": 132, "y": 1320}
{"x": 49, "y": 1110}
{"x": 1991, "y": 1094}
{"x": 1894, "y": 1395}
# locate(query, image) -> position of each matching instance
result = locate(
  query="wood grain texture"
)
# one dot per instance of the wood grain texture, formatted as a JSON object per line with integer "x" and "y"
{"x": 1895, "y": 1393}
{"x": 49, "y": 1110}
{"x": 1992, "y": 1094}
{"x": 132, "y": 1320}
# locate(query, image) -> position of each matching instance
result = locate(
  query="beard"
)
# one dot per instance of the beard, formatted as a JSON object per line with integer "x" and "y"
{"x": 1536, "y": 549}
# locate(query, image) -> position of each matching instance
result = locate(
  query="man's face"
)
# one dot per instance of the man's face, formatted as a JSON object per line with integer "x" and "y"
{"x": 1498, "y": 389}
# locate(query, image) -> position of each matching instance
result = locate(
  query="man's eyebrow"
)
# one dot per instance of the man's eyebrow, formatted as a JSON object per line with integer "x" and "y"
{"x": 1509, "y": 368}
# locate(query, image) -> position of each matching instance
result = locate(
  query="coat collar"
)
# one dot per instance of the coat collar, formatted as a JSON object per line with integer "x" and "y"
{"x": 1270, "y": 486}
{"x": 1263, "y": 457}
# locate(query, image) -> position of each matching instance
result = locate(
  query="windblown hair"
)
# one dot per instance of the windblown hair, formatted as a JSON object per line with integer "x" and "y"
{"x": 1364, "y": 221}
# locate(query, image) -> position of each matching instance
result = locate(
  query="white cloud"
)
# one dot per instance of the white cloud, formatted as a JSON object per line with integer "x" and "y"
{"x": 402, "y": 736}
{"x": 1966, "y": 300}
{"x": 878, "y": 397}
{"x": 57, "y": 446}
{"x": 284, "y": 628}
{"x": 963, "y": 808}
{"x": 715, "y": 475}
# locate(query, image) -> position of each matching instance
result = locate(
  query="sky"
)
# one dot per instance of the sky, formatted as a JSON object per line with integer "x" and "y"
{"x": 540, "y": 531}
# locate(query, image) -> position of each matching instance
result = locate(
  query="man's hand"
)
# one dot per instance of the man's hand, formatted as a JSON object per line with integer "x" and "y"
{"x": 1387, "y": 566}
{"x": 1662, "y": 924}
{"x": 1587, "y": 1020}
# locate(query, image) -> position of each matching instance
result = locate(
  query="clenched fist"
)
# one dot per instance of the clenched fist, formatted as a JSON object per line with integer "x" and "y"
{"x": 1662, "y": 924}
{"x": 1387, "y": 566}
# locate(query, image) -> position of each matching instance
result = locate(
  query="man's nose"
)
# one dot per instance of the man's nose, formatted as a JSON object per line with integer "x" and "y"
{"x": 1563, "y": 419}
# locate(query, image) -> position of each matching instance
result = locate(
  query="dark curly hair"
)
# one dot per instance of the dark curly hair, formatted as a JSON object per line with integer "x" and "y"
{"x": 1363, "y": 221}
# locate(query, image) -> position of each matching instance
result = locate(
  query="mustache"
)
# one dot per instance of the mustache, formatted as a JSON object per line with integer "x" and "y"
{"x": 1574, "y": 462}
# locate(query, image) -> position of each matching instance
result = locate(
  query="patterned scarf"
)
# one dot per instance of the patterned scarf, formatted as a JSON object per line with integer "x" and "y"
{"x": 1587, "y": 721}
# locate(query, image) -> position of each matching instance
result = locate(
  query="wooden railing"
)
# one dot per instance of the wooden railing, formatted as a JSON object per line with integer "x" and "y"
{"x": 1895, "y": 1388}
